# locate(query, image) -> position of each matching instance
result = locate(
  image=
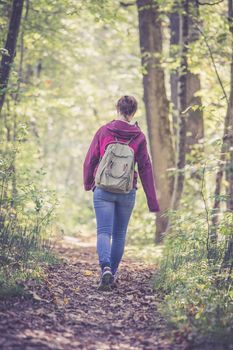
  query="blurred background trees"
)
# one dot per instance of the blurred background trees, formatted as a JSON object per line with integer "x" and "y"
{"x": 64, "y": 65}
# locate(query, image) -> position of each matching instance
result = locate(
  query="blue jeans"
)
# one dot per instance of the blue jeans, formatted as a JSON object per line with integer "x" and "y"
{"x": 113, "y": 211}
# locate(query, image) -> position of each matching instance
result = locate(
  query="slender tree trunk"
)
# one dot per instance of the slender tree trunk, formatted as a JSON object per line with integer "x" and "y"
{"x": 182, "y": 106}
{"x": 226, "y": 149}
{"x": 174, "y": 76}
{"x": 228, "y": 257}
{"x": 229, "y": 163}
{"x": 13, "y": 167}
{"x": 10, "y": 47}
{"x": 156, "y": 105}
{"x": 16, "y": 98}
{"x": 218, "y": 181}
{"x": 195, "y": 124}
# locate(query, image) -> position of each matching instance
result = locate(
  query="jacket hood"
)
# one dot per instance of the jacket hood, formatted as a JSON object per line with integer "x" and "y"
{"x": 123, "y": 130}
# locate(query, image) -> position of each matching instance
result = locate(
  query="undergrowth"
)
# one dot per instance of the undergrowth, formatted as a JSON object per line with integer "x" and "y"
{"x": 198, "y": 291}
{"x": 26, "y": 212}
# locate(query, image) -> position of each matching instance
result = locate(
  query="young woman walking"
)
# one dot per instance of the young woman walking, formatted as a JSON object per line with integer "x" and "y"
{"x": 113, "y": 208}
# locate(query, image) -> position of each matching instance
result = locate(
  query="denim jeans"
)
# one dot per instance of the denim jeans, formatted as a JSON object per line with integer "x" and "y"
{"x": 113, "y": 211}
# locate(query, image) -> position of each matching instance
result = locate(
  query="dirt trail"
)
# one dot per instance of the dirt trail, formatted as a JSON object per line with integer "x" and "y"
{"x": 68, "y": 312}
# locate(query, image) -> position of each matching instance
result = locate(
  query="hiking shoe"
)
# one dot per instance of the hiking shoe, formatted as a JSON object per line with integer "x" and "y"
{"x": 115, "y": 281}
{"x": 106, "y": 279}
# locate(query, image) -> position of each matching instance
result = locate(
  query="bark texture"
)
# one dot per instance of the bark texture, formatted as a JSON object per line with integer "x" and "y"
{"x": 228, "y": 257}
{"x": 156, "y": 105}
{"x": 10, "y": 48}
{"x": 195, "y": 125}
{"x": 182, "y": 106}
{"x": 174, "y": 76}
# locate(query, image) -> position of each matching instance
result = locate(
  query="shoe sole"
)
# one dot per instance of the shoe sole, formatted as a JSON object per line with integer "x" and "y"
{"x": 106, "y": 281}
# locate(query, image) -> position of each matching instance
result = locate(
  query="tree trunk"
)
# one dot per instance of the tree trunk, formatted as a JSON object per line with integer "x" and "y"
{"x": 157, "y": 106}
{"x": 226, "y": 148}
{"x": 10, "y": 47}
{"x": 219, "y": 176}
{"x": 229, "y": 163}
{"x": 182, "y": 106}
{"x": 174, "y": 76}
{"x": 195, "y": 125}
{"x": 228, "y": 256}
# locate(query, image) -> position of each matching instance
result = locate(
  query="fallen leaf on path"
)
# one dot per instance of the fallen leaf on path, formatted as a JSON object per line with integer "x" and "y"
{"x": 58, "y": 301}
{"x": 87, "y": 273}
{"x": 66, "y": 300}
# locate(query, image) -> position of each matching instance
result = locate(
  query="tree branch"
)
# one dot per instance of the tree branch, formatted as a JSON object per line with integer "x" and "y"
{"x": 10, "y": 47}
{"x": 127, "y": 4}
{"x": 209, "y": 3}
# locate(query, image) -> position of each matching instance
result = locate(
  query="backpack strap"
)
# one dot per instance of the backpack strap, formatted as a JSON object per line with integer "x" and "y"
{"x": 126, "y": 143}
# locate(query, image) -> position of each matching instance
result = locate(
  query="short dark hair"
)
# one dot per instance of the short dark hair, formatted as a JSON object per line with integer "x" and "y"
{"x": 127, "y": 105}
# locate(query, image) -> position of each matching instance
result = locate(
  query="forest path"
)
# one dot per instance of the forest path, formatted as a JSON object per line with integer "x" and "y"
{"x": 68, "y": 312}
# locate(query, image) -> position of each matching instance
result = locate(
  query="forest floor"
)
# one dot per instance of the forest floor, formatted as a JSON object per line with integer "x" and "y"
{"x": 66, "y": 311}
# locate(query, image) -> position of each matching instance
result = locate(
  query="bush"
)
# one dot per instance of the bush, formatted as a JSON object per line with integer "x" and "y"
{"x": 198, "y": 291}
{"x": 25, "y": 216}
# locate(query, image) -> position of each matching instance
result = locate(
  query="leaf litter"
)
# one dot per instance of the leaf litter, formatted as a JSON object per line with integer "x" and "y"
{"x": 66, "y": 311}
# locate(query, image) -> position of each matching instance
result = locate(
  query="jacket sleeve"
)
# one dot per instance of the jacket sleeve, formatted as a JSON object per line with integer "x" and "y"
{"x": 147, "y": 178}
{"x": 90, "y": 162}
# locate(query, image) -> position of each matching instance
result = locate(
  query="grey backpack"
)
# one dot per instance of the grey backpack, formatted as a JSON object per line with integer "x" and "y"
{"x": 115, "y": 171}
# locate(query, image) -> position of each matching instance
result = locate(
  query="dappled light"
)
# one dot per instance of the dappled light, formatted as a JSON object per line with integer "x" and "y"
{"x": 116, "y": 174}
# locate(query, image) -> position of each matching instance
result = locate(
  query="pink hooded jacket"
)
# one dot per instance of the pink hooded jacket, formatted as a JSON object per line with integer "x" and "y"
{"x": 123, "y": 131}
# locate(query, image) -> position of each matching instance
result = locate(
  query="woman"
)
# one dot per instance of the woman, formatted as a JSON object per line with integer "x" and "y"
{"x": 113, "y": 210}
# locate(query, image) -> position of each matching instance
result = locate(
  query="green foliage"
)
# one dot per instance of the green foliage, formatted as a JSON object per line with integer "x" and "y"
{"x": 199, "y": 294}
{"x": 25, "y": 217}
